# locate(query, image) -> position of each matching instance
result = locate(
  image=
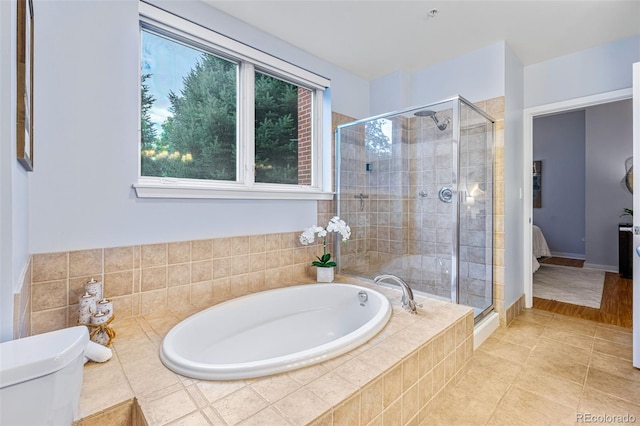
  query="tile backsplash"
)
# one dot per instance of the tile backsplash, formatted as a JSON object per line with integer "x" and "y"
{"x": 145, "y": 278}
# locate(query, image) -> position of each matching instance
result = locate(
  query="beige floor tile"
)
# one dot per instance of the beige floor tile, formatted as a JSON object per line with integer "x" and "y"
{"x": 622, "y": 336}
{"x": 167, "y": 408}
{"x": 615, "y": 366}
{"x": 98, "y": 378}
{"x": 500, "y": 333}
{"x": 504, "y": 417}
{"x": 194, "y": 419}
{"x": 563, "y": 368}
{"x": 239, "y": 405}
{"x": 196, "y": 395}
{"x": 550, "y": 386}
{"x": 535, "y": 409}
{"x": 620, "y": 387}
{"x": 573, "y": 339}
{"x": 573, "y": 325}
{"x": 535, "y": 316}
{"x": 523, "y": 326}
{"x": 486, "y": 364}
{"x": 489, "y": 389}
{"x": 524, "y": 334}
{"x": 213, "y": 416}
{"x": 554, "y": 349}
{"x": 598, "y": 403}
{"x": 451, "y": 411}
{"x": 506, "y": 350}
{"x": 614, "y": 349}
{"x": 153, "y": 381}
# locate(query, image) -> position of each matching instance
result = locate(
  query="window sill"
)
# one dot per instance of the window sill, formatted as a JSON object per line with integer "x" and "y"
{"x": 269, "y": 192}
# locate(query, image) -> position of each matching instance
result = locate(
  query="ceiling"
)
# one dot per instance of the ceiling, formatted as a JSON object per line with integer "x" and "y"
{"x": 374, "y": 38}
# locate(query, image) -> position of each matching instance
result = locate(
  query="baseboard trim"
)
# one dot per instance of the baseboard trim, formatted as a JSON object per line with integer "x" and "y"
{"x": 608, "y": 268}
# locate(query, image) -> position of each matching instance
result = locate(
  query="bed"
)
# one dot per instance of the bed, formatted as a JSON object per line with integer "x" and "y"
{"x": 540, "y": 248}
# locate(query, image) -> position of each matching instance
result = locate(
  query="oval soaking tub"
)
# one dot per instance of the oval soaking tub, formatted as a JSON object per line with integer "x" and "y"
{"x": 274, "y": 331}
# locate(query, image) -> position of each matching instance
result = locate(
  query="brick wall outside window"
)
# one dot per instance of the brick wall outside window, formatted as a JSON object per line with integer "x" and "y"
{"x": 304, "y": 136}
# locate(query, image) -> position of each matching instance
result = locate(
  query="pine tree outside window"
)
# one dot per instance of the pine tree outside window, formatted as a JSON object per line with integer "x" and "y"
{"x": 221, "y": 120}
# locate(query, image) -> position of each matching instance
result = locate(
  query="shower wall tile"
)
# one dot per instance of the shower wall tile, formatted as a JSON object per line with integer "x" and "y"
{"x": 201, "y": 272}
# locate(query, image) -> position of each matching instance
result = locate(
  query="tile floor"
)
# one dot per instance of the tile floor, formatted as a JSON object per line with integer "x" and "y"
{"x": 547, "y": 368}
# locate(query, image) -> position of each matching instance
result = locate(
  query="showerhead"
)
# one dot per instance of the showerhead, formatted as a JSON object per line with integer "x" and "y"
{"x": 430, "y": 113}
{"x": 425, "y": 113}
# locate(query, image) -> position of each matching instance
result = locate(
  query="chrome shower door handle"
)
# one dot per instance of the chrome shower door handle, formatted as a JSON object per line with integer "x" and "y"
{"x": 445, "y": 194}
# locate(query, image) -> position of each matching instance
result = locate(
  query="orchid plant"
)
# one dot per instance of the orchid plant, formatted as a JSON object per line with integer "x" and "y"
{"x": 310, "y": 234}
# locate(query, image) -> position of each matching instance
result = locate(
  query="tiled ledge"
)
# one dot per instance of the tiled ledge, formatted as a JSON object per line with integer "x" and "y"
{"x": 399, "y": 375}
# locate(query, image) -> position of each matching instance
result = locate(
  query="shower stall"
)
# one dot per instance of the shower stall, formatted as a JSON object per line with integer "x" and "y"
{"x": 416, "y": 188}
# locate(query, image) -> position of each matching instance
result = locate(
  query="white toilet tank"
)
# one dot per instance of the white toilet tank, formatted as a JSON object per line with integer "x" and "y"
{"x": 41, "y": 377}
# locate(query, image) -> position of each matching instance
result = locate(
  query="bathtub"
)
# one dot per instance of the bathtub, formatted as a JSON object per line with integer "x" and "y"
{"x": 274, "y": 331}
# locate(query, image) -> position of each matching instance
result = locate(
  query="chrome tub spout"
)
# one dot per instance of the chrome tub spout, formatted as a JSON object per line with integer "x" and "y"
{"x": 408, "y": 302}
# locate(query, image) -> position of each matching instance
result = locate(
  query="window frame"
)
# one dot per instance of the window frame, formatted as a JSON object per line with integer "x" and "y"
{"x": 249, "y": 60}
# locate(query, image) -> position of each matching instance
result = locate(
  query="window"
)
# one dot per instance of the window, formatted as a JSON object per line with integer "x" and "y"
{"x": 219, "y": 119}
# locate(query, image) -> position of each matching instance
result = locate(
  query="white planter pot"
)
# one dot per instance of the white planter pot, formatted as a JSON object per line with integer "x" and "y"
{"x": 324, "y": 275}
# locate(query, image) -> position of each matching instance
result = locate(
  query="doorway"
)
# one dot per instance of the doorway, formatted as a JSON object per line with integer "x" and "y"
{"x": 529, "y": 115}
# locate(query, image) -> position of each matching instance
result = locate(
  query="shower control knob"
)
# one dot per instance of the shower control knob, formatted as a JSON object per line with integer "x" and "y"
{"x": 445, "y": 194}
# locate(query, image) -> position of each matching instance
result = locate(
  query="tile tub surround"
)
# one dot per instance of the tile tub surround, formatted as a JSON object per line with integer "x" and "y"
{"x": 145, "y": 278}
{"x": 400, "y": 375}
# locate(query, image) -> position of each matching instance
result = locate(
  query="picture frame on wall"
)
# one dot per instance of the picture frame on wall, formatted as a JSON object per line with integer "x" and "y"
{"x": 24, "y": 47}
{"x": 537, "y": 184}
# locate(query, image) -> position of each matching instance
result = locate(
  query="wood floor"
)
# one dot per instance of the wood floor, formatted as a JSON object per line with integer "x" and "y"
{"x": 563, "y": 261}
{"x": 616, "y": 307}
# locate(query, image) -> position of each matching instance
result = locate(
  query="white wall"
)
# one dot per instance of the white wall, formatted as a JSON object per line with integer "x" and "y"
{"x": 609, "y": 142}
{"x": 588, "y": 72}
{"x": 14, "y": 181}
{"x": 476, "y": 76}
{"x": 390, "y": 92}
{"x": 513, "y": 178}
{"x": 87, "y": 143}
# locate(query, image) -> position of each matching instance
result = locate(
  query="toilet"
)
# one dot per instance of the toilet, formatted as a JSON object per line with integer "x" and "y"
{"x": 41, "y": 377}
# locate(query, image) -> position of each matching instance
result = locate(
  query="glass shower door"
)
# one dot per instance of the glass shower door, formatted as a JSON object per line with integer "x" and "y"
{"x": 432, "y": 200}
{"x": 475, "y": 193}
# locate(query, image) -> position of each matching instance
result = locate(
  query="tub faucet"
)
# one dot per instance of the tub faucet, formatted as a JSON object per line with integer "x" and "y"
{"x": 408, "y": 302}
